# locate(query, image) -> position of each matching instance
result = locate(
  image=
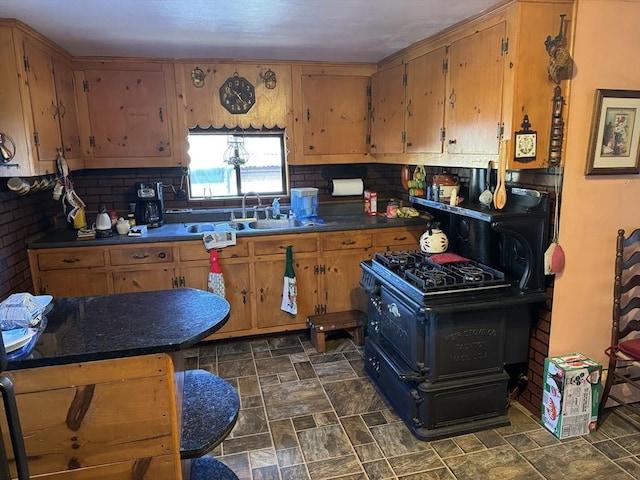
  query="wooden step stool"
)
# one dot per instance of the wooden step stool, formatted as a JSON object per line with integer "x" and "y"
{"x": 352, "y": 321}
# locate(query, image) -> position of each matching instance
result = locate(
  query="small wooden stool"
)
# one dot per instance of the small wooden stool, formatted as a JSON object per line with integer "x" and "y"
{"x": 352, "y": 321}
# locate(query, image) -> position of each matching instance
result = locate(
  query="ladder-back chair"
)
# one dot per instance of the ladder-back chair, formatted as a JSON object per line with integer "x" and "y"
{"x": 624, "y": 352}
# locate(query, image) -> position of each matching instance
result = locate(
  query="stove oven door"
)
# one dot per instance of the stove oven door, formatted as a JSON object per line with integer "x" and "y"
{"x": 401, "y": 324}
{"x": 459, "y": 341}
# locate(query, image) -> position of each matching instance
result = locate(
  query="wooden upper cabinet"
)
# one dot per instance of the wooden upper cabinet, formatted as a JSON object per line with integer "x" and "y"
{"x": 473, "y": 111}
{"x": 128, "y": 113}
{"x": 38, "y": 104}
{"x": 528, "y": 88}
{"x": 387, "y": 110}
{"x": 426, "y": 83}
{"x": 335, "y": 114}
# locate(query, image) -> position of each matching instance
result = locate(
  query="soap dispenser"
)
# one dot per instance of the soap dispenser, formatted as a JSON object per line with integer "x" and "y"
{"x": 275, "y": 206}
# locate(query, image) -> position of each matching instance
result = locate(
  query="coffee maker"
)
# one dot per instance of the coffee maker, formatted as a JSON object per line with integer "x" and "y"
{"x": 149, "y": 204}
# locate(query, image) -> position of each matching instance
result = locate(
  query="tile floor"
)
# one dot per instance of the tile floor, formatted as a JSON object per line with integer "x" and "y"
{"x": 310, "y": 416}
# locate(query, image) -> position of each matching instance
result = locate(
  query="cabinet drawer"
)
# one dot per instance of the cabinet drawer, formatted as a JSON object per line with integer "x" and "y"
{"x": 345, "y": 240}
{"x": 385, "y": 238}
{"x": 279, "y": 245}
{"x": 78, "y": 258}
{"x": 197, "y": 252}
{"x": 140, "y": 255}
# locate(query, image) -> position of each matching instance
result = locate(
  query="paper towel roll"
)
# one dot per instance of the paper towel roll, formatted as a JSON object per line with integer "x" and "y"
{"x": 347, "y": 186}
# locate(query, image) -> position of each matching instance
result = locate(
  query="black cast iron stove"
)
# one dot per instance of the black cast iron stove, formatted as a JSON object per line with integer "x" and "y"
{"x": 442, "y": 327}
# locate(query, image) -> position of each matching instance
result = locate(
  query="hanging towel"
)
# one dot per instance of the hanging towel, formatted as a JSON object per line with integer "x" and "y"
{"x": 215, "y": 282}
{"x": 289, "y": 291}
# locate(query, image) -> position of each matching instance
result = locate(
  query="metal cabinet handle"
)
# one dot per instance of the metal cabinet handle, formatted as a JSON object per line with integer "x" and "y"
{"x": 70, "y": 260}
{"x": 137, "y": 256}
{"x": 400, "y": 239}
{"x": 409, "y": 108}
{"x": 161, "y": 114}
{"x": 453, "y": 141}
{"x": 244, "y": 296}
{"x": 452, "y": 98}
{"x": 61, "y": 109}
{"x": 348, "y": 242}
{"x": 262, "y": 295}
{"x": 162, "y": 255}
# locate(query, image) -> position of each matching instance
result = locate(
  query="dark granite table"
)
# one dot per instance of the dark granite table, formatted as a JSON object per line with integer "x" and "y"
{"x": 82, "y": 329}
{"x": 85, "y": 329}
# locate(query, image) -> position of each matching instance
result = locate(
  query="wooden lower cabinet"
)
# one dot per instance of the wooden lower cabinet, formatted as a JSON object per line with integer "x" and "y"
{"x": 326, "y": 265}
{"x": 237, "y": 293}
{"x": 108, "y": 419}
{"x": 269, "y": 277}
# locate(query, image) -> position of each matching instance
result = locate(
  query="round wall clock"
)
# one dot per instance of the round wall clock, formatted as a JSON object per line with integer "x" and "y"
{"x": 237, "y": 94}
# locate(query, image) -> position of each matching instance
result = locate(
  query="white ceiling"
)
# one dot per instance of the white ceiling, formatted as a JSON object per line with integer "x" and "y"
{"x": 324, "y": 30}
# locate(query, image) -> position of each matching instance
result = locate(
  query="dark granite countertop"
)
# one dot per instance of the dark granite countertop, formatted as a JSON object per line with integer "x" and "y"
{"x": 171, "y": 232}
{"x": 81, "y": 329}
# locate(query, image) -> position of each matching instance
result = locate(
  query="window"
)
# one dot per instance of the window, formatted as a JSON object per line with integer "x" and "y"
{"x": 230, "y": 163}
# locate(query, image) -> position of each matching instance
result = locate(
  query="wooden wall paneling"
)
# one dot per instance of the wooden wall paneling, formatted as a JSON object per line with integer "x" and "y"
{"x": 202, "y": 105}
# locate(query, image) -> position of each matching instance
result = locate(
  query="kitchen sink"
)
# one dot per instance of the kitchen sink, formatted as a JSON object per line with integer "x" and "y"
{"x": 280, "y": 224}
{"x": 208, "y": 227}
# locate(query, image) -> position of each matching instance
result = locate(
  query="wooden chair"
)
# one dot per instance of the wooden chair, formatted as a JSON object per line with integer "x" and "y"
{"x": 624, "y": 352}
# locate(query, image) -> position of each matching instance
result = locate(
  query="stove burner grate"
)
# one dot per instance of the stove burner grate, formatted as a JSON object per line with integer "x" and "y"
{"x": 415, "y": 269}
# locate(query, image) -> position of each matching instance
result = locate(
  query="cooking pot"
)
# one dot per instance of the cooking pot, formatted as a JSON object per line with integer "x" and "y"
{"x": 446, "y": 179}
{"x": 446, "y": 183}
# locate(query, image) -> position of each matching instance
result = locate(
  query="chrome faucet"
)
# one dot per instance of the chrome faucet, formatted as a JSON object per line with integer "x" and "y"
{"x": 244, "y": 203}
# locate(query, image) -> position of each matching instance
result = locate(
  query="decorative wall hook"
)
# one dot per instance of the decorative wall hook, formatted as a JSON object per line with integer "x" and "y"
{"x": 269, "y": 79}
{"x": 197, "y": 77}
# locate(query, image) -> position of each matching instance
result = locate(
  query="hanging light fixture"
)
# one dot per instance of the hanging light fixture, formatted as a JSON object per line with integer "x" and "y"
{"x": 235, "y": 154}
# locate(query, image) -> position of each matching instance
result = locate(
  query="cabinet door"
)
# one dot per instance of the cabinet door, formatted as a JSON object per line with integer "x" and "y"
{"x": 335, "y": 114}
{"x": 44, "y": 105}
{"x": 269, "y": 277}
{"x": 425, "y": 102}
{"x": 341, "y": 280}
{"x": 143, "y": 280}
{"x": 475, "y": 92}
{"x": 387, "y": 111}
{"x": 67, "y": 109}
{"x": 237, "y": 291}
{"x": 128, "y": 113}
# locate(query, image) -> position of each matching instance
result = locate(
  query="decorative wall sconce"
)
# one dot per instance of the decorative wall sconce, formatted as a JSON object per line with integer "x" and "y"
{"x": 7, "y": 148}
{"x": 560, "y": 61}
{"x": 197, "y": 77}
{"x": 269, "y": 79}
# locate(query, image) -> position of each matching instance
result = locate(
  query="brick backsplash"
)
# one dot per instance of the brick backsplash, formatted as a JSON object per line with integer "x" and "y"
{"x": 24, "y": 216}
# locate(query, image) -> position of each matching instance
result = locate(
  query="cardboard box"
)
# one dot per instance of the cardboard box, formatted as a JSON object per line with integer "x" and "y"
{"x": 571, "y": 395}
{"x": 370, "y": 202}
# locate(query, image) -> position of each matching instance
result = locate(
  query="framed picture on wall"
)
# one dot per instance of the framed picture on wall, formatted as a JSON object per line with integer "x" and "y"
{"x": 614, "y": 147}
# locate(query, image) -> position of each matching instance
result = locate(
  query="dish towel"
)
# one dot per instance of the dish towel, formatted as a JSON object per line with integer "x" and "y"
{"x": 289, "y": 291}
{"x": 215, "y": 282}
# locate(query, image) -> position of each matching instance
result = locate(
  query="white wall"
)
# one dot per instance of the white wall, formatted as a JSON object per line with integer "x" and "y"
{"x": 607, "y": 56}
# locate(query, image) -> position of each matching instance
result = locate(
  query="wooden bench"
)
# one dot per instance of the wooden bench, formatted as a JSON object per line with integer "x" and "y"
{"x": 352, "y": 321}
